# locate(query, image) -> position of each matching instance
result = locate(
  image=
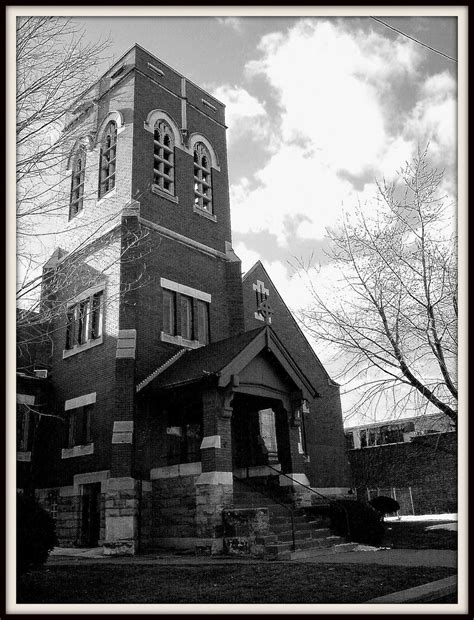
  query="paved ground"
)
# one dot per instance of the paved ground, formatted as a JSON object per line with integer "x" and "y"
{"x": 393, "y": 557}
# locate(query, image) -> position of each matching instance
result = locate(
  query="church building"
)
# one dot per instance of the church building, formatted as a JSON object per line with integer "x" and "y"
{"x": 171, "y": 379}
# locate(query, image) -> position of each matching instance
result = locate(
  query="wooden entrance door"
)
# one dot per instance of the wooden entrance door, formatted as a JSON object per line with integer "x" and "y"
{"x": 90, "y": 522}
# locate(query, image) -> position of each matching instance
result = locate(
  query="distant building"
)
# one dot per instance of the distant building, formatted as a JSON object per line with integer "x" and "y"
{"x": 413, "y": 460}
{"x": 169, "y": 376}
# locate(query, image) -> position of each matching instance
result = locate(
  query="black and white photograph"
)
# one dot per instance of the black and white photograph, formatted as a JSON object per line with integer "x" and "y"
{"x": 237, "y": 241}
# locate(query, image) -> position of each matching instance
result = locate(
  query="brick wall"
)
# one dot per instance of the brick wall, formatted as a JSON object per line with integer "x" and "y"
{"x": 92, "y": 370}
{"x": 428, "y": 464}
{"x": 179, "y": 263}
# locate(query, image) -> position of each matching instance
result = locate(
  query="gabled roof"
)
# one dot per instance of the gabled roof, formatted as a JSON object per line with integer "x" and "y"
{"x": 220, "y": 360}
{"x": 259, "y": 265}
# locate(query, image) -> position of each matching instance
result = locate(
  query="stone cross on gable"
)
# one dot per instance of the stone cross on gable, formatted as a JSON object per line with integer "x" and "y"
{"x": 266, "y": 311}
{"x": 261, "y": 293}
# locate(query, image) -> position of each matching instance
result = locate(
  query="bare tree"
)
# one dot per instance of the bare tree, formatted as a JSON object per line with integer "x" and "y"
{"x": 55, "y": 97}
{"x": 395, "y": 316}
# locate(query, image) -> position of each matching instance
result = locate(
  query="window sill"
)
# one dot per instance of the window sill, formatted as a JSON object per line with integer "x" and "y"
{"x": 160, "y": 192}
{"x": 83, "y": 347}
{"x": 24, "y": 457}
{"x": 68, "y": 453}
{"x": 79, "y": 214}
{"x": 180, "y": 341}
{"x": 107, "y": 195}
{"x": 204, "y": 213}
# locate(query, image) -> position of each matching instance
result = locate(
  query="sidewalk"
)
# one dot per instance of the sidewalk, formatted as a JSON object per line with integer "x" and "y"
{"x": 391, "y": 557}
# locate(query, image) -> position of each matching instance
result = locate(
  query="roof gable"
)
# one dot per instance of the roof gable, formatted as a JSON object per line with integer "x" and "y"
{"x": 259, "y": 272}
{"x": 220, "y": 361}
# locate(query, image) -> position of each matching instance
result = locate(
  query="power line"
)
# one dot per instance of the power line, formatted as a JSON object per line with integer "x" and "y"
{"x": 416, "y": 40}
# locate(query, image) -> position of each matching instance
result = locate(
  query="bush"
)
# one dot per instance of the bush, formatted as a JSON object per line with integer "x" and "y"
{"x": 36, "y": 534}
{"x": 385, "y": 505}
{"x": 357, "y": 521}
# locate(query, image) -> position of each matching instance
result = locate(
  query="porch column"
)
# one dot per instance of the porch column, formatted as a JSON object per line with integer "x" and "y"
{"x": 214, "y": 486}
{"x": 291, "y": 414}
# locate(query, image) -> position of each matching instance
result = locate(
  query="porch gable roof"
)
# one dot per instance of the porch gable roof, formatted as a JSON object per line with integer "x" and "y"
{"x": 220, "y": 360}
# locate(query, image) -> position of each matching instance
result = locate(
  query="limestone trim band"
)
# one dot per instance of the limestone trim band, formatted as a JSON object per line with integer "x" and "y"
{"x": 293, "y": 479}
{"x": 122, "y": 431}
{"x": 176, "y": 471}
{"x": 212, "y": 441}
{"x": 215, "y": 478}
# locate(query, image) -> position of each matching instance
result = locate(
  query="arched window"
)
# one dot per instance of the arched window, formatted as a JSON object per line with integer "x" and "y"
{"x": 202, "y": 178}
{"x": 163, "y": 157}
{"x": 107, "y": 159}
{"x": 76, "y": 201}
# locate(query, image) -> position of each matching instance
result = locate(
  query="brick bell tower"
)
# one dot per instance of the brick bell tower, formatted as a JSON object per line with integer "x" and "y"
{"x": 149, "y": 208}
{"x": 183, "y": 288}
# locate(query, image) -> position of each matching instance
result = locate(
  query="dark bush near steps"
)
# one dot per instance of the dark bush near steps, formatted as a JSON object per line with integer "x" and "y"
{"x": 357, "y": 521}
{"x": 36, "y": 534}
{"x": 385, "y": 505}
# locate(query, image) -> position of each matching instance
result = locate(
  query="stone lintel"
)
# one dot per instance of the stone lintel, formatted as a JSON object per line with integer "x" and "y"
{"x": 120, "y": 484}
{"x": 93, "y": 476}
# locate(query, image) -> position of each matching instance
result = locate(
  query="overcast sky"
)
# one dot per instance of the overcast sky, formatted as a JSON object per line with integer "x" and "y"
{"x": 317, "y": 109}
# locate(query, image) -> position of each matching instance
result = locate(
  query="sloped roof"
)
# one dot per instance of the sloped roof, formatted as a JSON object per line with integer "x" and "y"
{"x": 196, "y": 364}
{"x": 220, "y": 360}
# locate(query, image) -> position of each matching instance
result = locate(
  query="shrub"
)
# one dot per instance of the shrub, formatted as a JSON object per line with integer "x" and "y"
{"x": 357, "y": 521}
{"x": 385, "y": 505}
{"x": 36, "y": 534}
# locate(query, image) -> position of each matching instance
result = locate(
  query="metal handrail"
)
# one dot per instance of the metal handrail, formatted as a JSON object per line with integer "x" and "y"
{"x": 291, "y": 510}
{"x": 329, "y": 500}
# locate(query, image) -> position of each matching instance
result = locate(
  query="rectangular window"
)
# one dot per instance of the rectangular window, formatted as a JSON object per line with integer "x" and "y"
{"x": 203, "y": 321}
{"x": 79, "y": 428}
{"x": 169, "y": 312}
{"x": 183, "y": 442}
{"x": 23, "y": 421}
{"x": 84, "y": 321}
{"x": 349, "y": 438}
{"x": 186, "y": 317}
{"x": 185, "y": 314}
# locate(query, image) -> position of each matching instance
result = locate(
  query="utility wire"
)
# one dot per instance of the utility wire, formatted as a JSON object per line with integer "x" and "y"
{"x": 416, "y": 40}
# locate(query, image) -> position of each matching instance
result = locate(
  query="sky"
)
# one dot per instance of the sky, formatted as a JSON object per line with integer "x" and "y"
{"x": 317, "y": 109}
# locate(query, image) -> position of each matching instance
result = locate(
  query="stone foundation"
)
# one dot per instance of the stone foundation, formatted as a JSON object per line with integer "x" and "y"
{"x": 121, "y": 516}
{"x": 173, "y": 508}
{"x": 244, "y": 529}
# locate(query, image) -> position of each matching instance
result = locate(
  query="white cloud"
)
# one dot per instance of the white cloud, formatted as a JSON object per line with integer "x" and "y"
{"x": 343, "y": 121}
{"x": 245, "y": 114}
{"x": 235, "y": 23}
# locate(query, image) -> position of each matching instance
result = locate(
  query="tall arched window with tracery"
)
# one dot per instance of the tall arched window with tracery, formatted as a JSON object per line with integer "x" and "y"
{"x": 108, "y": 154}
{"x": 163, "y": 157}
{"x": 202, "y": 178}
{"x": 76, "y": 201}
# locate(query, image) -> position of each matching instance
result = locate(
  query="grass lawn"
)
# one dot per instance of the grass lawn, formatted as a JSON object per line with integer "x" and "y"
{"x": 413, "y": 535}
{"x": 249, "y": 583}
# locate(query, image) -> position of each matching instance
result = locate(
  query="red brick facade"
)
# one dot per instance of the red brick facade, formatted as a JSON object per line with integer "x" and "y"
{"x": 136, "y": 241}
